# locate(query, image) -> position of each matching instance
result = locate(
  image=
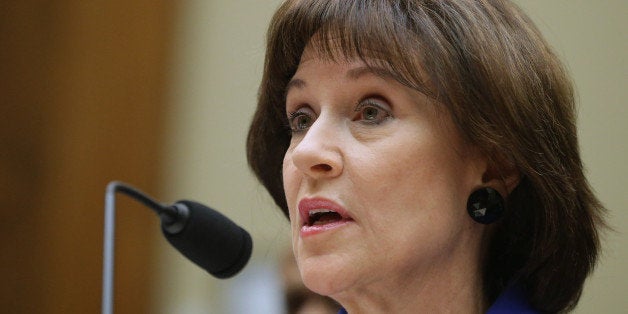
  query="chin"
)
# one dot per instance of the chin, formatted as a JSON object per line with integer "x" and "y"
{"x": 322, "y": 284}
{"x": 327, "y": 280}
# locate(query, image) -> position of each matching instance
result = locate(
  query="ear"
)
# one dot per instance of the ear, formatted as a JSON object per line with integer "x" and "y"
{"x": 502, "y": 175}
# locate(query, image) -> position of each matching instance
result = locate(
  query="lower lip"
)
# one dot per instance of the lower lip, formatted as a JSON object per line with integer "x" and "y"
{"x": 307, "y": 231}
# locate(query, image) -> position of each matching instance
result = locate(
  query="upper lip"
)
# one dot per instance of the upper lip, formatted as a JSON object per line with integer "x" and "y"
{"x": 308, "y": 205}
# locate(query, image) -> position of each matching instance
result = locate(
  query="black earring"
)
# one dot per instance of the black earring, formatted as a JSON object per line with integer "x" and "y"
{"x": 485, "y": 205}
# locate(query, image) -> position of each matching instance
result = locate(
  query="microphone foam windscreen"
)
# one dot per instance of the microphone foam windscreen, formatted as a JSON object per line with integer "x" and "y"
{"x": 212, "y": 241}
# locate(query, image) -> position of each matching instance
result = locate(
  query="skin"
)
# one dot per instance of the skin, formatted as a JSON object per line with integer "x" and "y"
{"x": 392, "y": 159}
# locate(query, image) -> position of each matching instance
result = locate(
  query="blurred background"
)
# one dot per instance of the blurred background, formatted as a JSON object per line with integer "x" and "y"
{"x": 159, "y": 94}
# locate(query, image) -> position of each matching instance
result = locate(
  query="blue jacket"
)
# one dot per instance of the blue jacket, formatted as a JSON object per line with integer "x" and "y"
{"x": 512, "y": 300}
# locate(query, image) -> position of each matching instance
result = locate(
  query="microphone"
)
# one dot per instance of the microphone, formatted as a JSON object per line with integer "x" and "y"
{"x": 207, "y": 238}
{"x": 203, "y": 235}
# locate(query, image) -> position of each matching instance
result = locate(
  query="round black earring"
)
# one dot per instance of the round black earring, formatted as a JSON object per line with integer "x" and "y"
{"x": 485, "y": 205}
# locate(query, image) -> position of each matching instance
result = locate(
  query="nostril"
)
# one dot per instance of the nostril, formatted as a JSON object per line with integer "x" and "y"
{"x": 322, "y": 167}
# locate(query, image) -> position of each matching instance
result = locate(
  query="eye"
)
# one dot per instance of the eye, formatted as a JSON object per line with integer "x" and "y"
{"x": 300, "y": 120}
{"x": 372, "y": 111}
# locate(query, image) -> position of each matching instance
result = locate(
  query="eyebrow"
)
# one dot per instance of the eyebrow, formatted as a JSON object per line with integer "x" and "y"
{"x": 295, "y": 83}
{"x": 358, "y": 72}
{"x": 353, "y": 74}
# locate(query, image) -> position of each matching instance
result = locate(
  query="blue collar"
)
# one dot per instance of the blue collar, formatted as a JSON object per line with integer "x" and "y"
{"x": 512, "y": 300}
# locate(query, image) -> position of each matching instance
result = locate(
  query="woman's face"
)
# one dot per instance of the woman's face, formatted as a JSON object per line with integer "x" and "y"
{"x": 376, "y": 180}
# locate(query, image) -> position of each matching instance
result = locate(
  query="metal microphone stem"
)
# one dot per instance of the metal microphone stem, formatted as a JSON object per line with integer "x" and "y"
{"x": 108, "y": 242}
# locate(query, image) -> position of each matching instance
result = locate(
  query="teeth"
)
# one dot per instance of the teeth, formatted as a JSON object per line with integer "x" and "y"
{"x": 320, "y": 211}
{"x": 316, "y": 215}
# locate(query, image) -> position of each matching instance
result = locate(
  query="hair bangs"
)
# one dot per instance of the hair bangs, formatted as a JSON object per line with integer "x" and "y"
{"x": 377, "y": 33}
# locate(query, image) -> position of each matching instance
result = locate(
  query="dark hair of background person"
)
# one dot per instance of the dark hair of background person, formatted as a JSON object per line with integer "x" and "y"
{"x": 507, "y": 93}
{"x": 298, "y": 298}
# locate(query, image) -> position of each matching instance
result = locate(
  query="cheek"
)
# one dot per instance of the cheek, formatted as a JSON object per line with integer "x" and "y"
{"x": 426, "y": 183}
{"x": 418, "y": 203}
{"x": 290, "y": 185}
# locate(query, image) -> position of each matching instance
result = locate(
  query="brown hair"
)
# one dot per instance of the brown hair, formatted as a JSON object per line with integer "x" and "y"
{"x": 507, "y": 93}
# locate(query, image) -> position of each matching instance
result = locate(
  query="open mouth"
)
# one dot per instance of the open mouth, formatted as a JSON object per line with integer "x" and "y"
{"x": 319, "y": 217}
{"x": 319, "y": 214}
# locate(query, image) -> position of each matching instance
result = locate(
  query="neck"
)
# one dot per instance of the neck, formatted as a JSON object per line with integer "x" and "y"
{"x": 450, "y": 289}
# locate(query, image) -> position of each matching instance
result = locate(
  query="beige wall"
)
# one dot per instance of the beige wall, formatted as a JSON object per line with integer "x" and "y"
{"x": 216, "y": 71}
{"x": 218, "y": 62}
{"x": 592, "y": 38}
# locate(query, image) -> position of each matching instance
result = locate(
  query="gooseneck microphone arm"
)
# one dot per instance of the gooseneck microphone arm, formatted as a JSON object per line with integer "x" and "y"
{"x": 201, "y": 234}
{"x": 108, "y": 245}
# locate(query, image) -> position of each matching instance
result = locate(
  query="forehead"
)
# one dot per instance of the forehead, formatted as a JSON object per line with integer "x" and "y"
{"x": 407, "y": 70}
{"x": 353, "y": 69}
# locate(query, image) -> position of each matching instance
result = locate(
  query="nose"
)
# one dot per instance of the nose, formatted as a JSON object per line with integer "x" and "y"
{"x": 319, "y": 153}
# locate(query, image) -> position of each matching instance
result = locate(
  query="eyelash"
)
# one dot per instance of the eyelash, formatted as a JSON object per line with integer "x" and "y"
{"x": 373, "y": 102}
{"x": 292, "y": 116}
{"x": 361, "y": 105}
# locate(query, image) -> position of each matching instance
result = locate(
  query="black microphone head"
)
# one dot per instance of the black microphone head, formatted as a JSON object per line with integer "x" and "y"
{"x": 209, "y": 239}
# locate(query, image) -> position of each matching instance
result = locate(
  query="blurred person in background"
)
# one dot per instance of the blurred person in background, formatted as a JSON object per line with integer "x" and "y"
{"x": 298, "y": 298}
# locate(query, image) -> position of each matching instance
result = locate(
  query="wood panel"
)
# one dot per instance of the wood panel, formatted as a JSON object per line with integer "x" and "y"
{"x": 83, "y": 89}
